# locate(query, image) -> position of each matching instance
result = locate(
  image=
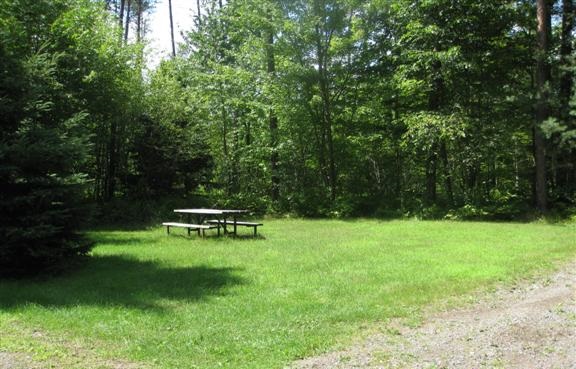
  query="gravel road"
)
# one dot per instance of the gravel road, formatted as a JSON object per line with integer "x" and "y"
{"x": 530, "y": 325}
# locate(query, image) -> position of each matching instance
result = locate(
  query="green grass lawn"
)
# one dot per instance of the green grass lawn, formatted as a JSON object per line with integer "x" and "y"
{"x": 306, "y": 286}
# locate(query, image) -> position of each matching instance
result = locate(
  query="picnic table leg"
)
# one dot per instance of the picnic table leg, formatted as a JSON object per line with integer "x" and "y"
{"x": 224, "y": 224}
{"x": 200, "y": 220}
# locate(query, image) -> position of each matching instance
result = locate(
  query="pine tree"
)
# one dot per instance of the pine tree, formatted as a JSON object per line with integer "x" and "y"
{"x": 41, "y": 148}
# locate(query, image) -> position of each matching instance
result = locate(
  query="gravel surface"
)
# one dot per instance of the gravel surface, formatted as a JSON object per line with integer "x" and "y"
{"x": 531, "y": 325}
{"x": 14, "y": 361}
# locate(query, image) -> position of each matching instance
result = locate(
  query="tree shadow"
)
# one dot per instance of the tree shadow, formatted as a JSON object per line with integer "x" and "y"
{"x": 247, "y": 237}
{"x": 120, "y": 281}
{"x": 108, "y": 239}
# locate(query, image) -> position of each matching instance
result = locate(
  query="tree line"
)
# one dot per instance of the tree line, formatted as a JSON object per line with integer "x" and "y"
{"x": 434, "y": 108}
{"x": 431, "y": 108}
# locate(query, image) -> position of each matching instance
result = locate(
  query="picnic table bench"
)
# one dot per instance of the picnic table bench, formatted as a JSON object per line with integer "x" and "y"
{"x": 235, "y": 223}
{"x": 197, "y": 227}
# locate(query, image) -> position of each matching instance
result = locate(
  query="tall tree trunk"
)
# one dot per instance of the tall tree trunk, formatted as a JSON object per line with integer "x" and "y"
{"x": 121, "y": 14}
{"x": 434, "y": 104}
{"x": 273, "y": 121}
{"x": 321, "y": 146}
{"x": 565, "y": 173}
{"x": 331, "y": 155}
{"x": 127, "y": 25}
{"x": 235, "y": 172}
{"x": 543, "y": 78}
{"x": 431, "y": 162}
{"x": 172, "y": 29}
{"x": 447, "y": 173}
{"x": 100, "y": 166}
{"x": 110, "y": 175}
{"x": 399, "y": 165}
{"x": 566, "y": 73}
{"x": 225, "y": 144}
{"x": 326, "y": 106}
{"x": 139, "y": 22}
{"x": 224, "y": 117}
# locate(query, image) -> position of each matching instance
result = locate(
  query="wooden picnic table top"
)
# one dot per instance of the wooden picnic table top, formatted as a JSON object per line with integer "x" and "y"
{"x": 210, "y": 211}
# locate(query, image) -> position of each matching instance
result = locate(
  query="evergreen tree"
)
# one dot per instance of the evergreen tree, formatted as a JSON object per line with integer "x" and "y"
{"x": 42, "y": 146}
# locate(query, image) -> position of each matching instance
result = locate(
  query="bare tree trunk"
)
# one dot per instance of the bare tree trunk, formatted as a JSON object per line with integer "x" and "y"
{"x": 447, "y": 173}
{"x": 234, "y": 171}
{"x": 139, "y": 22}
{"x": 434, "y": 103}
{"x": 273, "y": 122}
{"x": 543, "y": 78}
{"x": 127, "y": 25}
{"x": 326, "y": 107}
{"x": 225, "y": 144}
{"x": 172, "y": 29}
{"x": 110, "y": 175}
{"x": 431, "y": 167}
{"x": 121, "y": 14}
{"x": 565, "y": 171}
{"x": 321, "y": 145}
{"x": 566, "y": 73}
{"x": 224, "y": 117}
{"x": 100, "y": 165}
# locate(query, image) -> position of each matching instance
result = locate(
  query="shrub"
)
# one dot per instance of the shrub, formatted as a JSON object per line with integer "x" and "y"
{"x": 39, "y": 202}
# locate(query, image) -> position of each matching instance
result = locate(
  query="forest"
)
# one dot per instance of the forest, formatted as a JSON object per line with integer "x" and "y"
{"x": 441, "y": 109}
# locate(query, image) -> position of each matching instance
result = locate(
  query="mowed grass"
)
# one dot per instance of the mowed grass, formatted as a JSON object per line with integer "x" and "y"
{"x": 150, "y": 300}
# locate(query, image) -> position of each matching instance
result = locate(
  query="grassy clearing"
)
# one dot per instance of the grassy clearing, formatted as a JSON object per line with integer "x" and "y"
{"x": 162, "y": 301}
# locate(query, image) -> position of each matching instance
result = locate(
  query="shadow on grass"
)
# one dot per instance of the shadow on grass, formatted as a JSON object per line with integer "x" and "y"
{"x": 120, "y": 281}
{"x": 247, "y": 237}
{"x": 212, "y": 235}
{"x": 108, "y": 239}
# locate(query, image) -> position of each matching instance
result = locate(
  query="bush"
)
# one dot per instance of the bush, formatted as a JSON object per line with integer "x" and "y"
{"x": 39, "y": 202}
{"x": 133, "y": 212}
{"x": 466, "y": 212}
{"x": 257, "y": 204}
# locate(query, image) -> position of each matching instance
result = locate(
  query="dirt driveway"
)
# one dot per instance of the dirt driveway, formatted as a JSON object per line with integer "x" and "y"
{"x": 531, "y": 325}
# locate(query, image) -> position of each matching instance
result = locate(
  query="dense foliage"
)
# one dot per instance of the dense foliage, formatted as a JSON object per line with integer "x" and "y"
{"x": 335, "y": 107}
{"x": 42, "y": 141}
{"x": 432, "y": 108}
{"x": 56, "y": 80}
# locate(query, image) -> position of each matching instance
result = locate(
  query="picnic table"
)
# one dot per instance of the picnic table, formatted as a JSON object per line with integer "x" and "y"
{"x": 222, "y": 218}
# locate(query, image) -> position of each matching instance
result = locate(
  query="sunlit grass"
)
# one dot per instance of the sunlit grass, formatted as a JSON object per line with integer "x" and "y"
{"x": 176, "y": 302}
